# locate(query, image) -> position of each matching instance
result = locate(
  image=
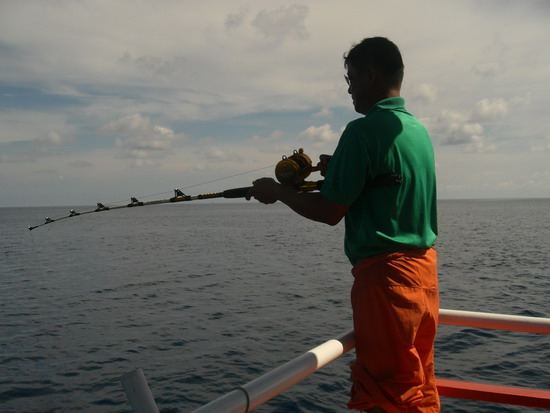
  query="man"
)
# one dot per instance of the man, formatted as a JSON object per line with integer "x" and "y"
{"x": 381, "y": 178}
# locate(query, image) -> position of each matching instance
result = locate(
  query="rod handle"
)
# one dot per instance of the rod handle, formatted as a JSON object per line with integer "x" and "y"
{"x": 236, "y": 192}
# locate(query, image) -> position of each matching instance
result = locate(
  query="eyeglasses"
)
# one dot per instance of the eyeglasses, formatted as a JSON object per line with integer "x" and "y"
{"x": 348, "y": 80}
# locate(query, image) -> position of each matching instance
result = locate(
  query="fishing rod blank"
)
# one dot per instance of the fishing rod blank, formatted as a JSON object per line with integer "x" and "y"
{"x": 179, "y": 196}
{"x": 290, "y": 171}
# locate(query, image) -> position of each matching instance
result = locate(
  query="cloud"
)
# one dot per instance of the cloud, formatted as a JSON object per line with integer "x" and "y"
{"x": 236, "y": 19}
{"x": 129, "y": 126}
{"x": 544, "y": 147}
{"x": 215, "y": 153}
{"x": 48, "y": 144}
{"x": 454, "y": 128}
{"x": 320, "y": 134}
{"x": 17, "y": 157}
{"x": 54, "y": 138}
{"x": 139, "y": 138}
{"x": 323, "y": 113}
{"x": 426, "y": 92}
{"x": 81, "y": 164}
{"x": 539, "y": 179}
{"x": 277, "y": 134}
{"x": 283, "y": 23}
{"x": 478, "y": 145}
{"x": 156, "y": 66}
{"x": 35, "y": 126}
{"x": 490, "y": 109}
{"x": 487, "y": 69}
{"x": 142, "y": 144}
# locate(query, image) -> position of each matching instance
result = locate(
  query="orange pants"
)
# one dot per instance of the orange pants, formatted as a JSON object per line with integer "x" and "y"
{"x": 395, "y": 305}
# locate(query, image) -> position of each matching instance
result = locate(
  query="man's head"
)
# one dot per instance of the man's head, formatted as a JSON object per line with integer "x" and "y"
{"x": 374, "y": 72}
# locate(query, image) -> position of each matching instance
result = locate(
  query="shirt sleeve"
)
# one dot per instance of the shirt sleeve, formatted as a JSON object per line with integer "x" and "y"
{"x": 347, "y": 170}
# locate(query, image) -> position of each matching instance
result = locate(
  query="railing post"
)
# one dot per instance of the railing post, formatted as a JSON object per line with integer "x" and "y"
{"x": 138, "y": 392}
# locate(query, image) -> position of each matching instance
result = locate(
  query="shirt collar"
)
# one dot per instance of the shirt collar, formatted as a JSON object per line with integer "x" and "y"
{"x": 394, "y": 103}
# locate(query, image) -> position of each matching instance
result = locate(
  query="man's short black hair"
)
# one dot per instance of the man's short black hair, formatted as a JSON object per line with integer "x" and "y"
{"x": 381, "y": 54}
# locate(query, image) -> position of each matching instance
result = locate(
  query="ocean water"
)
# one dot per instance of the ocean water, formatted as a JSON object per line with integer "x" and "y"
{"x": 205, "y": 296}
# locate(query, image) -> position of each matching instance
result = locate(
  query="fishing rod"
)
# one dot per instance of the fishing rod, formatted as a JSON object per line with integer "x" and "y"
{"x": 289, "y": 171}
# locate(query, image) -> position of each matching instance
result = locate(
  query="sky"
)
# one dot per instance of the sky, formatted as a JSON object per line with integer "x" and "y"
{"x": 101, "y": 100}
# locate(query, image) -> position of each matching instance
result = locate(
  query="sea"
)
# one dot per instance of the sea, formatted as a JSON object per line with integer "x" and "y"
{"x": 205, "y": 296}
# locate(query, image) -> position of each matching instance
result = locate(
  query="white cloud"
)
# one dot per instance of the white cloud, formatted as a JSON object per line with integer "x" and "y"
{"x": 27, "y": 125}
{"x": 142, "y": 144}
{"x": 490, "y": 109}
{"x": 540, "y": 179}
{"x": 320, "y": 134}
{"x": 426, "y": 92}
{"x": 277, "y": 134}
{"x": 139, "y": 138}
{"x": 15, "y": 158}
{"x": 487, "y": 69}
{"x": 156, "y": 66}
{"x": 453, "y": 127}
{"x": 129, "y": 125}
{"x": 215, "y": 153}
{"x": 29, "y": 140}
{"x": 478, "y": 145}
{"x": 544, "y": 147}
{"x": 323, "y": 113}
{"x": 81, "y": 164}
{"x": 286, "y": 22}
{"x": 55, "y": 139}
{"x": 236, "y": 19}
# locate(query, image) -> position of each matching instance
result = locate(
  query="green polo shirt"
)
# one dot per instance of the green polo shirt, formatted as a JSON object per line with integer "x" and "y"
{"x": 388, "y": 140}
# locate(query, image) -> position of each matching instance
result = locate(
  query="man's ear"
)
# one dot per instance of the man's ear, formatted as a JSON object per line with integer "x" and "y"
{"x": 371, "y": 74}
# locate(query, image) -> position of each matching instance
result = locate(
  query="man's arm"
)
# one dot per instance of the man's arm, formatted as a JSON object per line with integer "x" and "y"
{"x": 311, "y": 205}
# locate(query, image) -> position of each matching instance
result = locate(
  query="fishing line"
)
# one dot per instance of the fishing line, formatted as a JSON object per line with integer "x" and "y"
{"x": 228, "y": 177}
{"x": 290, "y": 171}
{"x": 192, "y": 186}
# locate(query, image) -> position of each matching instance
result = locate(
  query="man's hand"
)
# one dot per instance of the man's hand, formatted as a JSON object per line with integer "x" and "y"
{"x": 323, "y": 163}
{"x": 311, "y": 205}
{"x": 265, "y": 190}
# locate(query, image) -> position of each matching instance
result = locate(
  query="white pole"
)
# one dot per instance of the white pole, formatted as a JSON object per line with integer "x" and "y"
{"x": 496, "y": 321}
{"x": 258, "y": 391}
{"x": 138, "y": 392}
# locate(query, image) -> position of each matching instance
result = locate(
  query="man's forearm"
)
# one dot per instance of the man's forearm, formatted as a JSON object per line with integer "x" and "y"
{"x": 312, "y": 205}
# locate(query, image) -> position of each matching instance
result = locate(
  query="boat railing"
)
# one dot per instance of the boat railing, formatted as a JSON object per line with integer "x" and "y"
{"x": 249, "y": 396}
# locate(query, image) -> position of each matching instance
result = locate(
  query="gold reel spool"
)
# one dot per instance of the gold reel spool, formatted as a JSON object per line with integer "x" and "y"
{"x": 294, "y": 169}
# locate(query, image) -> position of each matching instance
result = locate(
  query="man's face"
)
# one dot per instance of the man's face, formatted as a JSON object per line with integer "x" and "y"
{"x": 359, "y": 88}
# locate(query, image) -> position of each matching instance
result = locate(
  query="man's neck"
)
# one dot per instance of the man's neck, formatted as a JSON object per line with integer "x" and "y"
{"x": 389, "y": 93}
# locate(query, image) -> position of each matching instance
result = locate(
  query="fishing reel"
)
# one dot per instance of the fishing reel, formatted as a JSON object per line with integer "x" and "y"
{"x": 293, "y": 170}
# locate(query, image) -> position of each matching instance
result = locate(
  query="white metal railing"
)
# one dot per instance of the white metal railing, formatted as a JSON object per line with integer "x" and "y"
{"x": 258, "y": 391}
{"x": 495, "y": 321}
{"x": 245, "y": 398}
